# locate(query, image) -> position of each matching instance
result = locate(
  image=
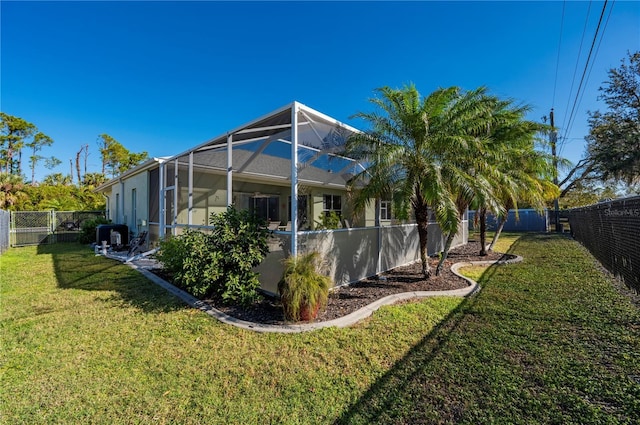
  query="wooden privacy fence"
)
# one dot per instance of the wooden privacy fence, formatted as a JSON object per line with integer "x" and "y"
{"x": 45, "y": 227}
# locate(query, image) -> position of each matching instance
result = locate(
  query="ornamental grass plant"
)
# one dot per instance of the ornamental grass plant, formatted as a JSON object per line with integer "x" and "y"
{"x": 303, "y": 289}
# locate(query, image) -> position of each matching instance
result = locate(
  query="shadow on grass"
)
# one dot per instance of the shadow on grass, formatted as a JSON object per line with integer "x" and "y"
{"x": 77, "y": 267}
{"x": 391, "y": 390}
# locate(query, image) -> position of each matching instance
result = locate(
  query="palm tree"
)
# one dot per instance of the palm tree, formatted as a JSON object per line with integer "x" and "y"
{"x": 471, "y": 166}
{"x": 408, "y": 153}
{"x": 524, "y": 173}
{"x": 11, "y": 190}
{"x": 531, "y": 174}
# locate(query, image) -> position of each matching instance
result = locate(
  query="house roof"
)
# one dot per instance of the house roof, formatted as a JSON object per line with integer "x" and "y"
{"x": 272, "y": 167}
{"x": 274, "y": 123}
{"x": 148, "y": 164}
{"x": 321, "y": 139}
{"x": 263, "y": 147}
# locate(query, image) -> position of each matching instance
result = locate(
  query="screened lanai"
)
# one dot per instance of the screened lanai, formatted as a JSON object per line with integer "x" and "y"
{"x": 285, "y": 167}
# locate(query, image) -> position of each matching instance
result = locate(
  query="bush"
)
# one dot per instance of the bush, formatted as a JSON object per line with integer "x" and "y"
{"x": 219, "y": 264}
{"x": 328, "y": 221}
{"x": 188, "y": 258}
{"x": 303, "y": 290}
{"x": 88, "y": 229}
{"x": 241, "y": 240}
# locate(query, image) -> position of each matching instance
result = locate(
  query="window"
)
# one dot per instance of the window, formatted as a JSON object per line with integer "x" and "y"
{"x": 265, "y": 207}
{"x": 385, "y": 210}
{"x": 332, "y": 203}
{"x": 302, "y": 210}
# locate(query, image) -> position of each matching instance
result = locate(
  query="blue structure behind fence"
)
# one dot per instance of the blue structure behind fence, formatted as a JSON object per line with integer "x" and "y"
{"x": 528, "y": 220}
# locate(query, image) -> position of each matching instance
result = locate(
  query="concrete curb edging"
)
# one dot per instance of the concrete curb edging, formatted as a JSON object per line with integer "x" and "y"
{"x": 340, "y": 322}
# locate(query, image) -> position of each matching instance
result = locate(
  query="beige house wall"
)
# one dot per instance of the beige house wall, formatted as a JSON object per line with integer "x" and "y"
{"x": 120, "y": 206}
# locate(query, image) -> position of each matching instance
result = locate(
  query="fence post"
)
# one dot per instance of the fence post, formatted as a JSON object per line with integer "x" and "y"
{"x": 52, "y": 227}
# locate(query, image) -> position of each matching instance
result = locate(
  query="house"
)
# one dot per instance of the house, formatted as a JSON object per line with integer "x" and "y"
{"x": 286, "y": 167}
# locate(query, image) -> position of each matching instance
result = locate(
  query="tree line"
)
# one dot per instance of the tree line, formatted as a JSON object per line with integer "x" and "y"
{"x": 72, "y": 191}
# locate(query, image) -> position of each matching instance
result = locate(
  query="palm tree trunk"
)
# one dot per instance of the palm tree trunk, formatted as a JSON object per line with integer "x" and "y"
{"x": 422, "y": 219}
{"x": 482, "y": 216}
{"x": 445, "y": 253}
{"x": 503, "y": 220}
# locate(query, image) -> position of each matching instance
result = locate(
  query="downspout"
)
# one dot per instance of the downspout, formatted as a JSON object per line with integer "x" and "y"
{"x": 107, "y": 213}
{"x": 121, "y": 206}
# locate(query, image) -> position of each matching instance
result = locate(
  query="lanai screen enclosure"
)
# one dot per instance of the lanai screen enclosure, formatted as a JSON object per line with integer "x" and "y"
{"x": 287, "y": 168}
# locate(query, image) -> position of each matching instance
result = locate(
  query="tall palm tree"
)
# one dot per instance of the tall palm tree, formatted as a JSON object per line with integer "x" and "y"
{"x": 525, "y": 173}
{"x": 408, "y": 152}
{"x": 473, "y": 167}
{"x": 531, "y": 174}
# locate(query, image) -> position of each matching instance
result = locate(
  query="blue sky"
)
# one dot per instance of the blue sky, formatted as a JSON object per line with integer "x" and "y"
{"x": 162, "y": 77}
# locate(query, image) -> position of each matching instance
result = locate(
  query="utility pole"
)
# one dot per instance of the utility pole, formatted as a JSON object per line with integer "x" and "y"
{"x": 553, "y": 138}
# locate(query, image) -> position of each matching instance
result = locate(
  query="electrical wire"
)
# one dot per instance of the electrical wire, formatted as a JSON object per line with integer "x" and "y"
{"x": 555, "y": 83}
{"x": 584, "y": 72}
{"x": 575, "y": 69}
{"x": 604, "y": 29}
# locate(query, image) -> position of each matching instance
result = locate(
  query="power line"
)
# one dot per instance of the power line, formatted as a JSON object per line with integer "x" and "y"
{"x": 575, "y": 69}
{"x": 604, "y": 29}
{"x": 584, "y": 72}
{"x": 555, "y": 83}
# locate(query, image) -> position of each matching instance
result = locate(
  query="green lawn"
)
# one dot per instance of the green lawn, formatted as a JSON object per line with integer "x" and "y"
{"x": 88, "y": 340}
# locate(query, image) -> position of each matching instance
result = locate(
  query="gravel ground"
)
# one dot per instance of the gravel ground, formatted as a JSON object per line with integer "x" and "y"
{"x": 347, "y": 299}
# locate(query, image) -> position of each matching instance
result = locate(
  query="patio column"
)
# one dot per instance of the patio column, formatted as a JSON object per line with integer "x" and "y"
{"x": 379, "y": 234}
{"x": 161, "y": 201}
{"x": 190, "y": 190}
{"x": 294, "y": 179}
{"x": 174, "y": 218}
{"x": 229, "y": 170}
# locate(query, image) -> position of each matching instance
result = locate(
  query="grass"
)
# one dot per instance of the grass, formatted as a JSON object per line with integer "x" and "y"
{"x": 85, "y": 339}
{"x": 504, "y": 244}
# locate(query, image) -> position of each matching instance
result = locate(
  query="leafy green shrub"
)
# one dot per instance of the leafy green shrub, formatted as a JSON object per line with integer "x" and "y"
{"x": 303, "y": 290}
{"x": 220, "y": 263}
{"x": 88, "y": 229}
{"x": 328, "y": 221}
{"x": 188, "y": 258}
{"x": 241, "y": 239}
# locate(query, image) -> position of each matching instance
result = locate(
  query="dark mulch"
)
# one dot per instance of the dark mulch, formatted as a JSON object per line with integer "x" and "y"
{"x": 347, "y": 299}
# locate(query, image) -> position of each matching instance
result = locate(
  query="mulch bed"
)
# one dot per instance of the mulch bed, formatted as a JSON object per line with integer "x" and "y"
{"x": 347, "y": 299}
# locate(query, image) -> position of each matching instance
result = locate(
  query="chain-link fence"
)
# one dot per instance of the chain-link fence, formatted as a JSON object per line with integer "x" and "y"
{"x": 611, "y": 231}
{"x": 44, "y": 227}
{"x": 5, "y": 219}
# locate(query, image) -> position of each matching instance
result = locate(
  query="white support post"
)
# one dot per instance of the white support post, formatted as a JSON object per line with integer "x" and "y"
{"x": 174, "y": 219}
{"x": 294, "y": 179}
{"x": 190, "y": 206}
{"x": 229, "y": 170}
{"x": 161, "y": 201}
{"x": 379, "y": 233}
